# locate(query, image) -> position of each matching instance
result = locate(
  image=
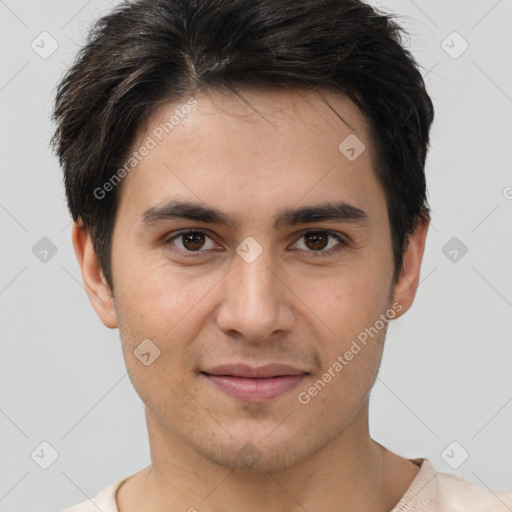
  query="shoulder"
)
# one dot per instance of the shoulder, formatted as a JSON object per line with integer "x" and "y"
{"x": 105, "y": 500}
{"x": 455, "y": 490}
{"x": 445, "y": 492}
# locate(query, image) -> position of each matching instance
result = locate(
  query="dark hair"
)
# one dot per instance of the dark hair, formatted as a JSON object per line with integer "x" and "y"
{"x": 148, "y": 52}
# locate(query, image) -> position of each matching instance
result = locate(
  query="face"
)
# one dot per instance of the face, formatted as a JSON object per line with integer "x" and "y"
{"x": 255, "y": 254}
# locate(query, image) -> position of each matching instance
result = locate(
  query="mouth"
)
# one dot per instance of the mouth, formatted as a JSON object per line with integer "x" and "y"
{"x": 255, "y": 384}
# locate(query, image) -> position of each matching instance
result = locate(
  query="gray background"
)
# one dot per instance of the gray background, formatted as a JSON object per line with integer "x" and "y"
{"x": 446, "y": 374}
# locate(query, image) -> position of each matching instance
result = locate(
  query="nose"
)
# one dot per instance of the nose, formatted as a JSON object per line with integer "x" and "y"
{"x": 256, "y": 301}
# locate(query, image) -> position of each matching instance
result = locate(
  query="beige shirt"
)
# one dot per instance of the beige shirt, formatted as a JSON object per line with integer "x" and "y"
{"x": 430, "y": 491}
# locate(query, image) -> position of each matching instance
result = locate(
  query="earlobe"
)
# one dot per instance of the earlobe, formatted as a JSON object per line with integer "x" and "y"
{"x": 408, "y": 281}
{"x": 94, "y": 281}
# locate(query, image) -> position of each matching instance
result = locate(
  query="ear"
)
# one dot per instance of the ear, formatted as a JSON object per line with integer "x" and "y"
{"x": 95, "y": 284}
{"x": 408, "y": 281}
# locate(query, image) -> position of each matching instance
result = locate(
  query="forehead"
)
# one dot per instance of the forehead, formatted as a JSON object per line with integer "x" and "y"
{"x": 287, "y": 110}
{"x": 267, "y": 145}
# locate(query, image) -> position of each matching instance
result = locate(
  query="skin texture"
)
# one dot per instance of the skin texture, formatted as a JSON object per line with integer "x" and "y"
{"x": 252, "y": 159}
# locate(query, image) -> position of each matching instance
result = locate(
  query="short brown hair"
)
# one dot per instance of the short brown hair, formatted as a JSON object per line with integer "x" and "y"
{"x": 148, "y": 52}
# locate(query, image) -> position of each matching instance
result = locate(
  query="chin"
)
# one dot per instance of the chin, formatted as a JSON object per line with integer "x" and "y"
{"x": 258, "y": 452}
{"x": 253, "y": 458}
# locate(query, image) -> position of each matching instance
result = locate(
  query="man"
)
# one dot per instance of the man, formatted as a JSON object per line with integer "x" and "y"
{"x": 246, "y": 179}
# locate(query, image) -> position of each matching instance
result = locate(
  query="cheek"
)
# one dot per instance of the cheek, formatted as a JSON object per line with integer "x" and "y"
{"x": 151, "y": 295}
{"x": 169, "y": 308}
{"x": 349, "y": 299}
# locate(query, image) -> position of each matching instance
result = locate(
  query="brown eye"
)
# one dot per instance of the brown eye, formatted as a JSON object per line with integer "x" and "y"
{"x": 191, "y": 241}
{"x": 316, "y": 240}
{"x": 320, "y": 243}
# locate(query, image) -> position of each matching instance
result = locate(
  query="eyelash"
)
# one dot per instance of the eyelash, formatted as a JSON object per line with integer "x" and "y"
{"x": 320, "y": 253}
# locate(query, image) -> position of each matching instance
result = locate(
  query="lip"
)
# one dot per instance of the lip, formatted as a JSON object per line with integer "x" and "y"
{"x": 247, "y": 371}
{"x": 255, "y": 384}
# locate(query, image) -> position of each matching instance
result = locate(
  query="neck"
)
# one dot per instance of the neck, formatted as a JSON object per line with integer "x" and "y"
{"x": 351, "y": 472}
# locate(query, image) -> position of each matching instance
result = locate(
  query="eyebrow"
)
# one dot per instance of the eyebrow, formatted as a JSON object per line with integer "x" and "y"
{"x": 326, "y": 211}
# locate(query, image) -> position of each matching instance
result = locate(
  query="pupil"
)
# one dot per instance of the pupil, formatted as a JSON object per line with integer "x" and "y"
{"x": 319, "y": 240}
{"x": 193, "y": 241}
